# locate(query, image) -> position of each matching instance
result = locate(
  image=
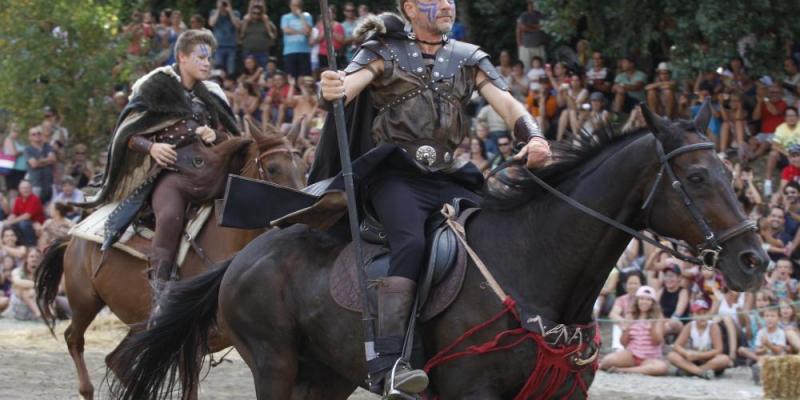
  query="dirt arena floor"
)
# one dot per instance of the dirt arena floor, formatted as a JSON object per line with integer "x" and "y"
{"x": 34, "y": 365}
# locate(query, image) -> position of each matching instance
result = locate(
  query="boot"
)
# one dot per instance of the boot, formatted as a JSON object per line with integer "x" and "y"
{"x": 160, "y": 271}
{"x": 395, "y": 300}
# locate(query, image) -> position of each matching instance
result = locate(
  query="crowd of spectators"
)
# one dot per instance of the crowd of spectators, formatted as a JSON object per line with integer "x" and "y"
{"x": 664, "y": 312}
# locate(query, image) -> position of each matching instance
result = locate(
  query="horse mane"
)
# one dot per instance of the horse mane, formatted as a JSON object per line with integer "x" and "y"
{"x": 509, "y": 185}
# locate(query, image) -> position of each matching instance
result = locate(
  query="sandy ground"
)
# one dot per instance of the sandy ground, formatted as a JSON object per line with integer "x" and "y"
{"x": 34, "y": 365}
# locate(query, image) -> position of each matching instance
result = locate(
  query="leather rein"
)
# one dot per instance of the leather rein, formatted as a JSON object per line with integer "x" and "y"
{"x": 708, "y": 251}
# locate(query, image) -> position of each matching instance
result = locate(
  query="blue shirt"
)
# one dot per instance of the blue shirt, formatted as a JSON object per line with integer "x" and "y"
{"x": 295, "y": 43}
{"x": 224, "y": 30}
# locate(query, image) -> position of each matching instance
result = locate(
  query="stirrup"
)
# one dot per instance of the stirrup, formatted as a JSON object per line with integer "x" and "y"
{"x": 396, "y": 394}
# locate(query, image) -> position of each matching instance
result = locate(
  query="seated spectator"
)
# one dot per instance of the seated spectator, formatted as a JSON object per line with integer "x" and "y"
{"x": 518, "y": 82}
{"x": 631, "y": 281}
{"x": 786, "y": 134}
{"x": 728, "y": 305}
{"x": 791, "y": 81}
{"x": 542, "y": 104}
{"x": 606, "y": 298}
{"x": 69, "y": 193}
{"x": 789, "y": 324}
{"x": 780, "y": 281}
{"x": 5, "y": 281}
{"x": 769, "y": 109}
{"x": 642, "y": 336}
{"x": 574, "y": 95}
{"x": 536, "y": 71}
{"x": 661, "y": 93}
{"x": 23, "y": 297}
{"x": 791, "y": 173}
{"x": 27, "y": 215}
{"x": 596, "y": 116}
{"x": 715, "y": 124}
{"x": 9, "y": 246}
{"x": 772, "y": 233}
{"x": 506, "y": 151}
{"x": 753, "y": 320}
{"x": 673, "y": 299}
{"x": 305, "y": 104}
{"x": 770, "y": 341}
{"x": 252, "y": 72}
{"x": 598, "y": 77}
{"x": 497, "y": 127}
{"x": 246, "y": 101}
{"x": 477, "y": 154}
{"x": 698, "y": 349}
{"x": 628, "y": 87}
{"x": 57, "y": 227}
{"x": 274, "y": 104}
{"x": 734, "y": 119}
{"x": 196, "y": 21}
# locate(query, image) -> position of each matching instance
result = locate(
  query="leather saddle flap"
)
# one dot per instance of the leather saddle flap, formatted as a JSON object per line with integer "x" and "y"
{"x": 254, "y": 204}
{"x": 439, "y": 284}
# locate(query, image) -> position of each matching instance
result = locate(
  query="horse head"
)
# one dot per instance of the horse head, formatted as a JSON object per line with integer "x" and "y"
{"x": 273, "y": 158}
{"x": 692, "y": 199}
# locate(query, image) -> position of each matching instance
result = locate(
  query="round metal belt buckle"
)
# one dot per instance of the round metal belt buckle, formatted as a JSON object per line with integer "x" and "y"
{"x": 426, "y": 155}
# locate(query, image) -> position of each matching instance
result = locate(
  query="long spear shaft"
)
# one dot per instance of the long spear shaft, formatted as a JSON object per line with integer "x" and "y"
{"x": 347, "y": 174}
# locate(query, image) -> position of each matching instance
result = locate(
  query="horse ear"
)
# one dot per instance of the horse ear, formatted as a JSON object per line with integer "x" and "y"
{"x": 703, "y": 117}
{"x": 654, "y": 122}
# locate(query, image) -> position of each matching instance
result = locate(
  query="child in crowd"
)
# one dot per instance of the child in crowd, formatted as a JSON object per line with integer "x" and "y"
{"x": 781, "y": 282}
{"x": 642, "y": 336}
{"x": 770, "y": 341}
{"x": 698, "y": 349}
{"x": 754, "y": 322}
{"x": 632, "y": 281}
{"x": 788, "y": 315}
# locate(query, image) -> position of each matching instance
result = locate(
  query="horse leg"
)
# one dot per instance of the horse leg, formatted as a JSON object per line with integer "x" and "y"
{"x": 274, "y": 369}
{"x": 82, "y": 317}
{"x": 315, "y": 381}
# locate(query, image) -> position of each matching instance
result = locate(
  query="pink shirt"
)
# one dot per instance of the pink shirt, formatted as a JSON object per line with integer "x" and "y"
{"x": 641, "y": 343}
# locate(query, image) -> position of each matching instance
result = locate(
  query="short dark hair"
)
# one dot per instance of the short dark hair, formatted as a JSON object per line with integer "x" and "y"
{"x": 517, "y": 63}
{"x": 792, "y": 108}
{"x": 504, "y": 136}
{"x": 793, "y": 185}
{"x": 191, "y": 38}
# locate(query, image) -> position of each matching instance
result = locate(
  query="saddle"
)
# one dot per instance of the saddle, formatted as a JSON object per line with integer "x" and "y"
{"x": 441, "y": 279}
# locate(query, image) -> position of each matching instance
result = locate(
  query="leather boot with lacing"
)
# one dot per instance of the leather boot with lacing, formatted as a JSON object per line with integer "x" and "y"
{"x": 395, "y": 300}
{"x": 161, "y": 269}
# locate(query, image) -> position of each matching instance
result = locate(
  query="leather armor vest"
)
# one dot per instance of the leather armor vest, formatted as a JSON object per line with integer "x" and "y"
{"x": 183, "y": 132}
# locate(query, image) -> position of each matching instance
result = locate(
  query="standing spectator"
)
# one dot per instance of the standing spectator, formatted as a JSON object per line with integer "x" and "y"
{"x": 518, "y": 82}
{"x": 661, "y": 93}
{"x": 13, "y": 146}
{"x": 349, "y": 24}
{"x": 598, "y": 77}
{"x": 27, "y": 214}
{"x": 224, "y": 22}
{"x": 698, "y": 348}
{"x": 138, "y": 33}
{"x": 41, "y": 159}
{"x": 642, "y": 336}
{"x": 59, "y": 136}
{"x": 176, "y": 27}
{"x": 497, "y": 127}
{"x": 257, "y": 34}
{"x": 458, "y": 32}
{"x": 770, "y": 110}
{"x": 161, "y": 40}
{"x": 296, "y": 27}
{"x": 197, "y": 22}
{"x": 338, "y": 33}
{"x": 531, "y": 40}
{"x": 790, "y": 81}
{"x": 363, "y": 11}
{"x": 628, "y": 86}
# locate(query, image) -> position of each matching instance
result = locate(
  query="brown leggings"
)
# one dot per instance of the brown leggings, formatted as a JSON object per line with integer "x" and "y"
{"x": 169, "y": 202}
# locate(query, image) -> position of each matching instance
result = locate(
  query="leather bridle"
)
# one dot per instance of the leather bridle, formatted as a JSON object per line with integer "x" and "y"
{"x": 283, "y": 148}
{"x": 708, "y": 250}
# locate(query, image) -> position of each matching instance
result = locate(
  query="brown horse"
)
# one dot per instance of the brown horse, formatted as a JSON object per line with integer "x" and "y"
{"x": 119, "y": 280}
{"x": 273, "y": 299}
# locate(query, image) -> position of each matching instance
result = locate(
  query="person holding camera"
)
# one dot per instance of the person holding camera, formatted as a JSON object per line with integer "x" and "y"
{"x": 541, "y": 103}
{"x": 258, "y": 34}
{"x": 224, "y": 21}
{"x": 574, "y": 94}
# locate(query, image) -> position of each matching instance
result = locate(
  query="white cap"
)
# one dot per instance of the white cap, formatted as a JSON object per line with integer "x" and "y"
{"x": 662, "y": 66}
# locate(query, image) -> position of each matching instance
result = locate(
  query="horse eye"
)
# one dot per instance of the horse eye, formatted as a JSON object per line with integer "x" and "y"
{"x": 198, "y": 162}
{"x": 272, "y": 169}
{"x": 697, "y": 178}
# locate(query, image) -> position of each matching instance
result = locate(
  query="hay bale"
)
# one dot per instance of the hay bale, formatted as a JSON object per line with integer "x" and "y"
{"x": 780, "y": 377}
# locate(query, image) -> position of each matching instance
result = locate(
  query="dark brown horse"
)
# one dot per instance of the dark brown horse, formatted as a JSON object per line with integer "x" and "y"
{"x": 273, "y": 297}
{"x": 121, "y": 281}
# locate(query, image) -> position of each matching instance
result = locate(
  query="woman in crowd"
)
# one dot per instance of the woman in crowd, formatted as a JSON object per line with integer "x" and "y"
{"x": 247, "y": 101}
{"x": 477, "y": 154}
{"x": 23, "y": 297}
{"x": 632, "y": 281}
{"x": 734, "y": 121}
{"x": 14, "y": 147}
{"x": 252, "y": 73}
{"x": 698, "y": 349}
{"x": 642, "y": 336}
{"x": 10, "y": 246}
{"x": 574, "y": 95}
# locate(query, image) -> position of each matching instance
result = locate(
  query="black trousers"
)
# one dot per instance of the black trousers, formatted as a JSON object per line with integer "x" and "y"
{"x": 402, "y": 204}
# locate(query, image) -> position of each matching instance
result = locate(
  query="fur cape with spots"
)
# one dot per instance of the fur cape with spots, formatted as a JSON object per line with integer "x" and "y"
{"x": 158, "y": 100}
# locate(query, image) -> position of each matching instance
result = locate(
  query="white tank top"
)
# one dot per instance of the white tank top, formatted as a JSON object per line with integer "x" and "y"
{"x": 700, "y": 341}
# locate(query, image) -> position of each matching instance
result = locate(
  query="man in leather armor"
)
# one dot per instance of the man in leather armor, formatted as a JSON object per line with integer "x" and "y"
{"x": 171, "y": 109}
{"x": 420, "y": 82}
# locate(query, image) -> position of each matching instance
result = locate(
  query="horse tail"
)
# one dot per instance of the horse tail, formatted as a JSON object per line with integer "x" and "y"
{"x": 149, "y": 362}
{"x": 46, "y": 281}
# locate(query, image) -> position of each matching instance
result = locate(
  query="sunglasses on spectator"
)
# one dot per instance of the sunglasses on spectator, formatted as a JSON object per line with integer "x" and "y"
{"x": 504, "y": 144}
{"x": 349, "y": 10}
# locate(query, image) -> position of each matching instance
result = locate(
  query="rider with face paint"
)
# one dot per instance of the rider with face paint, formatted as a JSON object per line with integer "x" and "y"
{"x": 419, "y": 81}
{"x": 170, "y": 108}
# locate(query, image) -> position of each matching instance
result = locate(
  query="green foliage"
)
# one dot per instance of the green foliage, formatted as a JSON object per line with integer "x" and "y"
{"x": 694, "y": 35}
{"x": 71, "y": 71}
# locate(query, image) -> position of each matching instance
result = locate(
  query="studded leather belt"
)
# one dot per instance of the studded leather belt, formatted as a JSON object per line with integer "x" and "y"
{"x": 429, "y": 154}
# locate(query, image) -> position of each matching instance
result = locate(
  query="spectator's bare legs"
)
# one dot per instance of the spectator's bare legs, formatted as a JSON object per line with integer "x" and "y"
{"x": 747, "y": 353}
{"x": 4, "y": 301}
{"x": 792, "y": 337}
{"x": 724, "y": 136}
{"x": 563, "y": 121}
{"x": 616, "y": 360}
{"x": 716, "y": 363}
{"x": 668, "y": 100}
{"x": 652, "y": 101}
{"x": 619, "y": 101}
{"x": 733, "y": 333}
{"x": 652, "y": 367}
{"x": 772, "y": 162}
{"x": 574, "y": 124}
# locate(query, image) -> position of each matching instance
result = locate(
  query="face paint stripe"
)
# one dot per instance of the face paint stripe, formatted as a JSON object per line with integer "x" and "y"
{"x": 429, "y": 9}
